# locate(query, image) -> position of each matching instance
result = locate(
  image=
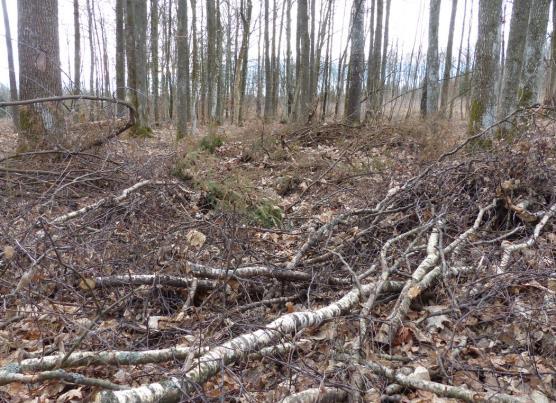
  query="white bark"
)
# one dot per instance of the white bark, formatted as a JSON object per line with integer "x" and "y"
{"x": 317, "y": 395}
{"x": 210, "y": 363}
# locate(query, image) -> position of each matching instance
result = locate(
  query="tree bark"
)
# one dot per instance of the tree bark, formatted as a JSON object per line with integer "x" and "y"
{"x": 432, "y": 59}
{"x": 514, "y": 57}
{"x": 267, "y": 66}
{"x": 39, "y": 71}
{"x": 183, "y": 70}
{"x": 154, "y": 59}
{"x": 77, "y": 49}
{"x": 303, "y": 58}
{"x": 533, "y": 55}
{"x": 448, "y": 61}
{"x": 356, "y": 64}
{"x": 120, "y": 54}
{"x": 11, "y": 67}
{"x": 483, "y": 92}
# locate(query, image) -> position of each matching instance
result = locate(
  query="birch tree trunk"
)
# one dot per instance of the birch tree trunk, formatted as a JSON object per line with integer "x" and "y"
{"x": 533, "y": 55}
{"x": 356, "y": 63}
{"x": 432, "y": 59}
{"x": 11, "y": 67}
{"x": 483, "y": 91}
{"x": 448, "y": 62}
{"x": 514, "y": 57}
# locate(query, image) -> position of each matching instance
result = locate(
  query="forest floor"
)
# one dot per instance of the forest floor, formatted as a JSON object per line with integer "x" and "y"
{"x": 279, "y": 263}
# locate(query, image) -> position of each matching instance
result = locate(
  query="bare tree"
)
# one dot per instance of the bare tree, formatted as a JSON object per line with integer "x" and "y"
{"x": 356, "y": 63}
{"x": 241, "y": 65}
{"x": 11, "y": 67}
{"x": 183, "y": 70}
{"x": 532, "y": 58}
{"x": 483, "y": 92}
{"x": 448, "y": 61}
{"x": 267, "y": 65}
{"x": 39, "y": 70}
{"x": 154, "y": 59}
{"x": 432, "y": 60}
{"x": 120, "y": 53}
{"x": 375, "y": 66}
{"x": 302, "y": 66}
{"x": 77, "y": 49}
{"x": 514, "y": 57}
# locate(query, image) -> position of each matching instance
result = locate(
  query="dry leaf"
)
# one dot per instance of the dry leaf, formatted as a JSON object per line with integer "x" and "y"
{"x": 9, "y": 252}
{"x": 195, "y": 238}
{"x": 87, "y": 283}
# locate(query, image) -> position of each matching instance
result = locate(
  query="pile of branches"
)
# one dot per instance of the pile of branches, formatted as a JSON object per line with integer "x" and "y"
{"x": 137, "y": 296}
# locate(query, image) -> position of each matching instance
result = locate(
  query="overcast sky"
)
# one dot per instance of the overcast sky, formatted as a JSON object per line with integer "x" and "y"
{"x": 408, "y": 25}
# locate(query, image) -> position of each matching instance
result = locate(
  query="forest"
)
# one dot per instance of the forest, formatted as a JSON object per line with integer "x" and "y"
{"x": 292, "y": 201}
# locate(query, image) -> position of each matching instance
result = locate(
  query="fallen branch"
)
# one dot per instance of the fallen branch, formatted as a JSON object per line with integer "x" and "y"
{"x": 317, "y": 395}
{"x": 210, "y": 363}
{"x": 59, "y": 374}
{"x": 510, "y": 248}
{"x": 150, "y": 279}
{"x": 199, "y": 270}
{"x": 440, "y": 389}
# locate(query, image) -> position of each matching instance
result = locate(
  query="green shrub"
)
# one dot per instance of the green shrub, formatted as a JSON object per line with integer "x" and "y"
{"x": 268, "y": 215}
{"x": 210, "y": 143}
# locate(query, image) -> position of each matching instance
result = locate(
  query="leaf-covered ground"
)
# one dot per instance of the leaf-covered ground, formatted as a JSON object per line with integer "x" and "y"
{"x": 268, "y": 197}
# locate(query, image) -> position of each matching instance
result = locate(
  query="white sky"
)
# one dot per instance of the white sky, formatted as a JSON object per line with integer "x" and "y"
{"x": 408, "y": 24}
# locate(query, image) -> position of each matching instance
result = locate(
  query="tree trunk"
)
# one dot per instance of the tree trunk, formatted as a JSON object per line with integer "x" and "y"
{"x": 533, "y": 55}
{"x": 289, "y": 75}
{"x": 483, "y": 92}
{"x": 183, "y": 70}
{"x": 11, "y": 67}
{"x": 374, "y": 72}
{"x": 141, "y": 66}
{"x": 460, "y": 53}
{"x": 120, "y": 54}
{"x": 241, "y": 65}
{"x": 551, "y": 96}
{"x": 267, "y": 66}
{"x": 212, "y": 67}
{"x": 154, "y": 59}
{"x": 39, "y": 71}
{"x": 303, "y": 86}
{"x": 514, "y": 57}
{"x": 77, "y": 49}
{"x": 195, "y": 69}
{"x": 356, "y": 63}
{"x": 384, "y": 54}
{"x": 448, "y": 61}
{"x": 432, "y": 59}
